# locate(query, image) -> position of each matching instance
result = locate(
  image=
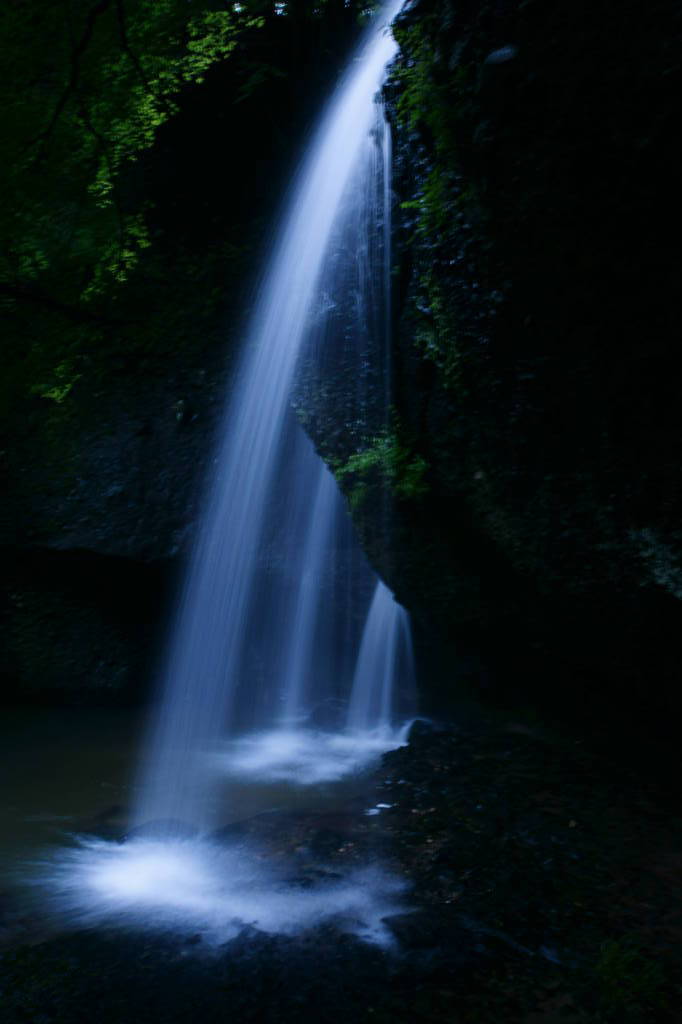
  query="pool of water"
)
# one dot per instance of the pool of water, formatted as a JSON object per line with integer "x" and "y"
{"x": 65, "y": 770}
{"x": 65, "y": 800}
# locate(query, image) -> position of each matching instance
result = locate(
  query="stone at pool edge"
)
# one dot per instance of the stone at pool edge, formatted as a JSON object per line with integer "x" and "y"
{"x": 438, "y": 935}
{"x": 419, "y": 728}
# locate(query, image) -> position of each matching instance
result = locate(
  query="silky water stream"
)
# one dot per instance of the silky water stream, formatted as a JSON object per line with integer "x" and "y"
{"x": 290, "y": 669}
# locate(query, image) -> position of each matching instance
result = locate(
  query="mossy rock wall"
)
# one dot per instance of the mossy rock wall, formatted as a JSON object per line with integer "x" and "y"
{"x": 536, "y": 347}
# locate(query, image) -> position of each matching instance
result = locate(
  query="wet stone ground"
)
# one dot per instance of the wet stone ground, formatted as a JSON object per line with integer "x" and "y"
{"x": 545, "y": 886}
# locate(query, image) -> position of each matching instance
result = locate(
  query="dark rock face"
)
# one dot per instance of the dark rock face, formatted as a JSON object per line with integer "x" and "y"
{"x": 534, "y": 363}
{"x": 79, "y": 627}
{"x": 118, "y": 468}
{"x": 93, "y": 527}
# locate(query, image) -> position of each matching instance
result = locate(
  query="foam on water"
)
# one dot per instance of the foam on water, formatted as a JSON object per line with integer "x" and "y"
{"x": 209, "y": 888}
{"x": 306, "y": 757}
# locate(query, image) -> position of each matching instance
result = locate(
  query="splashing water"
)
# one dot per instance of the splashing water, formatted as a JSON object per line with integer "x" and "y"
{"x": 216, "y": 889}
{"x": 386, "y": 637}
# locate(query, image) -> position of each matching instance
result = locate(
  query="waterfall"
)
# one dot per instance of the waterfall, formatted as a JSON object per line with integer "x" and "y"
{"x": 299, "y": 650}
{"x": 257, "y": 641}
{"x": 386, "y": 641}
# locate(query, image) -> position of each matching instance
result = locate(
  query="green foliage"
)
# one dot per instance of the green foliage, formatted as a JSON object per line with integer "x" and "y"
{"x": 437, "y": 81}
{"x": 64, "y": 376}
{"x": 427, "y": 86}
{"x": 438, "y": 203}
{"x": 413, "y": 76}
{"x": 85, "y": 90}
{"x": 388, "y": 461}
{"x": 98, "y": 263}
{"x": 87, "y": 86}
{"x": 435, "y": 334}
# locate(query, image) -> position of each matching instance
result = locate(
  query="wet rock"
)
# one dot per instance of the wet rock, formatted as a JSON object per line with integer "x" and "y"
{"x": 324, "y": 841}
{"x": 235, "y": 831}
{"x": 416, "y": 930}
{"x": 420, "y": 727}
{"x": 551, "y": 508}
{"x": 502, "y": 55}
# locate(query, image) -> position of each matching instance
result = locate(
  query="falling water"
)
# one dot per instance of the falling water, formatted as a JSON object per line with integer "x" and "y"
{"x": 386, "y": 641}
{"x": 271, "y": 492}
{"x": 297, "y": 668}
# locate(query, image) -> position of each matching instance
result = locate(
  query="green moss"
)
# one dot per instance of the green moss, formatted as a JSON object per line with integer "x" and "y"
{"x": 435, "y": 332}
{"x": 388, "y": 461}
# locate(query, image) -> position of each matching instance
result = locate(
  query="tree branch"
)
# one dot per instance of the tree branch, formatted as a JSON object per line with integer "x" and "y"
{"x": 33, "y": 296}
{"x": 77, "y": 53}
